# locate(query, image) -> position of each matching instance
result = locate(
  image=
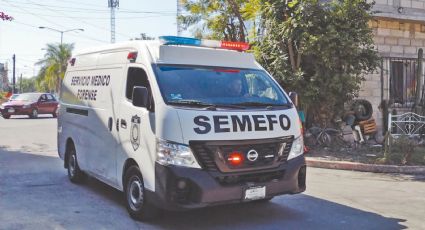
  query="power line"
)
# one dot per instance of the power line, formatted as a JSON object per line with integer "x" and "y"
{"x": 82, "y": 36}
{"x": 85, "y": 22}
{"x": 102, "y": 18}
{"x": 90, "y": 10}
{"x": 32, "y": 14}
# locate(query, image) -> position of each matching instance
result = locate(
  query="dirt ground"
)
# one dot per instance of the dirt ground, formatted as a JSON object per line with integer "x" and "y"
{"x": 369, "y": 154}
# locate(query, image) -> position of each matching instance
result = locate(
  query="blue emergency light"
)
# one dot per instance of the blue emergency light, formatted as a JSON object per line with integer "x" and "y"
{"x": 175, "y": 40}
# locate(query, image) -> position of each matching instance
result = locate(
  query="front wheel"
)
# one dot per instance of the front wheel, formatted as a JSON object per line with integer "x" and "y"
{"x": 6, "y": 116}
{"x": 135, "y": 196}
{"x": 34, "y": 114}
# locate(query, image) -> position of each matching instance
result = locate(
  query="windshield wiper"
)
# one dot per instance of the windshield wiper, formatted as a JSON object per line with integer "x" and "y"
{"x": 207, "y": 106}
{"x": 189, "y": 102}
{"x": 267, "y": 105}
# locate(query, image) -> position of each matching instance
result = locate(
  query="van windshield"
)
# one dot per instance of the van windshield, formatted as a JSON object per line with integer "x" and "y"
{"x": 211, "y": 86}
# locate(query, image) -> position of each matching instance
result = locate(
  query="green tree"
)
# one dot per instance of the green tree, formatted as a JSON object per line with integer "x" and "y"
{"x": 220, "y": 19}
{"x": 53, "y": 66}
{"x": 27, "y": 85}
{"x": 321, "y": 50}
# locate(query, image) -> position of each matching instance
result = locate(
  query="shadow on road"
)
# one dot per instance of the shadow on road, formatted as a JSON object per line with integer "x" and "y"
{"x": 53, "y": 201}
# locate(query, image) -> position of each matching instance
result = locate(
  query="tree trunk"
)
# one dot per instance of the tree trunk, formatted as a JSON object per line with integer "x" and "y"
{"x": 237, "y": 13}
{"x": 292, "y": 55}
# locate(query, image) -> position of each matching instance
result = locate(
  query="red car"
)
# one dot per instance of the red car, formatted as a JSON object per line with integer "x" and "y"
{"x": 31, "y": 104}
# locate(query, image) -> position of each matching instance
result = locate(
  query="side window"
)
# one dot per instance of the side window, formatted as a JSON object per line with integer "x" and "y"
{"x": 43, "y": 97}
{"x": 50, "y": 97}
{"x": 137, "y": 77}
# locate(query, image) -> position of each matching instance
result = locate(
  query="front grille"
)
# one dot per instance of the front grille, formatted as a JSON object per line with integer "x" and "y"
{"x": 212, "y": 155}
{"x": 252, "y": 177}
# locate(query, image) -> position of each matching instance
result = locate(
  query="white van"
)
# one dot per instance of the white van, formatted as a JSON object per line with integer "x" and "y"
{"x": 179, "y": 123}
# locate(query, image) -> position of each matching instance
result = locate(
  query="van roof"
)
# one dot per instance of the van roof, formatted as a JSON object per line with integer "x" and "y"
{"x": 176, "y": 54}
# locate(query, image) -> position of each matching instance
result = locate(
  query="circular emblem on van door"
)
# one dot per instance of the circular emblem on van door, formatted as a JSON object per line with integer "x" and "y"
{"x": 135, "y": 132}
{"x": 252, "y": 155}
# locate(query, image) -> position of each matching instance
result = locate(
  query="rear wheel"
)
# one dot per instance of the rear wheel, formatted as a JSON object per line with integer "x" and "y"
{"x": 75, "y": 174}
{"x": 6, "y": 116}
{"x": 34, "y": 114}
{"x": 135, "y": 196}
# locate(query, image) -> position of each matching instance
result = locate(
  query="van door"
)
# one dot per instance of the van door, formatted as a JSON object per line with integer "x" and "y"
{"x": 102, "y": 141}
{"x": 136, "y": 128}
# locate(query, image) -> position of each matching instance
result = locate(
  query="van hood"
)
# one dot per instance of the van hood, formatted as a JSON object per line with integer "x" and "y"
{"x": 237, "y": 125}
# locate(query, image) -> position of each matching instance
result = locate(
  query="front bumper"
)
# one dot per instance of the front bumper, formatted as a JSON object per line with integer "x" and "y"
{"x": 17, "y": 111}
{"x": 178, "y": 188}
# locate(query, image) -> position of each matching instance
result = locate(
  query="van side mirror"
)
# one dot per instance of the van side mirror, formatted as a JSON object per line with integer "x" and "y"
{"x": 294, "y": 98}
{"x": 140, "y": 96}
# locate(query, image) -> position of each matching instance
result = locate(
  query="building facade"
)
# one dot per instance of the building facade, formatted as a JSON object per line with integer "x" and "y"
{"x": 4, "y": 80}
{"x": 399, "y": 33}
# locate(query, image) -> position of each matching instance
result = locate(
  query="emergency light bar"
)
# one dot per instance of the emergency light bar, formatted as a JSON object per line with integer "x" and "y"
{"x": 175, "y": 40}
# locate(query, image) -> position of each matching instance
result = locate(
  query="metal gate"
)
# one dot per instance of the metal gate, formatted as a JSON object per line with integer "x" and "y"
{"x": 399, "y": 82}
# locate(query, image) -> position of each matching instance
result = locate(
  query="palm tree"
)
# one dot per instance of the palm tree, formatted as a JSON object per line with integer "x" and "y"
{"x": 54, "y": 65}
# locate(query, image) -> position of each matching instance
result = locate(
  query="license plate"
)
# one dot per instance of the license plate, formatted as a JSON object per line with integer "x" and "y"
{"x": 255, "y": 193}
{"x": 12, "y": 110}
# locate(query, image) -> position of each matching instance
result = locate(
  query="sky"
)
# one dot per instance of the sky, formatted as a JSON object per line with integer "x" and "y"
{"x": 23, "y": 37}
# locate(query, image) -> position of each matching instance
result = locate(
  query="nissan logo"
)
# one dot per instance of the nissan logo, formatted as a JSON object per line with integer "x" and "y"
{"x": 252, "y": 155}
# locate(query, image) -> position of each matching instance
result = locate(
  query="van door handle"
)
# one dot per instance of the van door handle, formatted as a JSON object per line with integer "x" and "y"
{"x": 123, "y": 124}
{"x": 110, "y": 124}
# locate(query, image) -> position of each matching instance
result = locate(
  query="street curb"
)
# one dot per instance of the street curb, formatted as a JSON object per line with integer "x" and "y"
{"x": 346, "y": 165}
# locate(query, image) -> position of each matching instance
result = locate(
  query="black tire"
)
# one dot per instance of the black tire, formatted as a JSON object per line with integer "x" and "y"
{"x": 6, "y": 116}
{"x": 34, "y": 114}
{"x": 134, "y": 193}
{"x": 75, "y": 174}
{"x": 362, "y": 110}
{"x": 324, "y": 139}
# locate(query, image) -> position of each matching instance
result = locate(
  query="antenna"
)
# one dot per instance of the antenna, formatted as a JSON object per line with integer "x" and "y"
{"x": 113, "y": 4}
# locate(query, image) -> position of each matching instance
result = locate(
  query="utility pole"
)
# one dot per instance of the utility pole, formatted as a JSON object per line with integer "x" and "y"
{"x": 13, "y": 79}
{"x": 113, "y": 4}
{"x": 20, "y": 84}
{"x": 179, "y": 26}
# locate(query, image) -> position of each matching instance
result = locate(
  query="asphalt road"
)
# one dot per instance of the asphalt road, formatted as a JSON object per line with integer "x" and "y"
{"x": 35, "y": 194}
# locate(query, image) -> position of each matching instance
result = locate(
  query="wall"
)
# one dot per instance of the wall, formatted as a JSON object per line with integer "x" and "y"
{"x": 393, "y": 37}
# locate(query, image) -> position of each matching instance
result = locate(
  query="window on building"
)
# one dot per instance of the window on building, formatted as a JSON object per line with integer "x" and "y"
{"x": 403, "y": 81}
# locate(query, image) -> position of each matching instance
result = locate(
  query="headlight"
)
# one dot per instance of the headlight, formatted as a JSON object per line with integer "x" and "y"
{"x": 26, "y": 106}
{"x": 169, "y": 153}
{"x": 297, "y": 148}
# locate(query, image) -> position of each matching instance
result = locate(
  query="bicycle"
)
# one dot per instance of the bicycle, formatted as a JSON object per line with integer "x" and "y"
{"x": 327, "y": 136}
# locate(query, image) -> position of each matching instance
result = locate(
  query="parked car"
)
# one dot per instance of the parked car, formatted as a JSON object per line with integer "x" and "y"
{"x": 31, "y": 104}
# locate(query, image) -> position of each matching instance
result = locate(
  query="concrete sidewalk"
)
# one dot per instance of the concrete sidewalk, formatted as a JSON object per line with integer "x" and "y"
{"x": 346, "y": 165}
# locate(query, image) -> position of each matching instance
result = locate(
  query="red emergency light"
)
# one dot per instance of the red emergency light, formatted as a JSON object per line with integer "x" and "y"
{"x": 235, "y": 45}
{"x": 132, "y": 56}
{"x": 235, "y": 158}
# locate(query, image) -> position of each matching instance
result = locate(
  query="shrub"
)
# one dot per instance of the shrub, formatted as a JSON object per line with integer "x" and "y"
{"x": 404, "y": 150}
